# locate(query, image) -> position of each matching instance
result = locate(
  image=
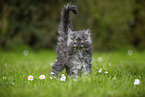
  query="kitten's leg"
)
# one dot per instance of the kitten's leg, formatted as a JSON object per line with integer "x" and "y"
{"x": 57, "y": 67}
{"x": 86, "y": 69}
{"x": 69, "y": 70}
{"x": 72, "y": 71}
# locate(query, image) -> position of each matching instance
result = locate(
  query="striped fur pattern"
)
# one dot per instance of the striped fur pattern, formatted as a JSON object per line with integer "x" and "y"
{"x": 74, "y": 48}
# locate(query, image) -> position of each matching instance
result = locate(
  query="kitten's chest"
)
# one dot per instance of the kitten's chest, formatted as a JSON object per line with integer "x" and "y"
{"x": 79, "y": 56}
{"x": 78, "y": 60}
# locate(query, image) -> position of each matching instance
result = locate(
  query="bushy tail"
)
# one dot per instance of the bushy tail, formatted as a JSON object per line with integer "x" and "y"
{"x": 65, "y": 18}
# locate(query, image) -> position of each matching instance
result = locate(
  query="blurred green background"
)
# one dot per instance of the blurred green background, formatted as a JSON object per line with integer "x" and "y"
{"x": 34, "y": 23}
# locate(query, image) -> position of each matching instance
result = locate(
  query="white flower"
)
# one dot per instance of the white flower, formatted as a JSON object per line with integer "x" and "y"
{"x": 25, "y": 52}
{"x": 130, "y": 52}
{"x": 4, "y": 77}
{"x": 137, "y": 82}
{"x": 62, "y": 78}
{"x": 100, "y": 59}
{"x": 100, "y": 70}
{"x": 52, "y": 73}
{"x": 42, "y": 77}
{"x": 30, "y": 77}
{"x": 106, "y": 72}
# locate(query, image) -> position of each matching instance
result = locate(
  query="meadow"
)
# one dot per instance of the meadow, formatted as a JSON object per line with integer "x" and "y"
{"x": 123, "y": 68}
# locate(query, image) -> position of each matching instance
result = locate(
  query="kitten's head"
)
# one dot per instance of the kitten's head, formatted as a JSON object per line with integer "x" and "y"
{"x": 79, "y": 39}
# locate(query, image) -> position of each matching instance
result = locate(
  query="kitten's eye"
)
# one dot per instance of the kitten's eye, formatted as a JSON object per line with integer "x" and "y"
{"x": 75, "y": 41}
{"x": 82, "y": 41}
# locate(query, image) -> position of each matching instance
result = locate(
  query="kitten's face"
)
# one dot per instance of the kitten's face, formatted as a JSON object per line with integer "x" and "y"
{"x": 79, "y": 39}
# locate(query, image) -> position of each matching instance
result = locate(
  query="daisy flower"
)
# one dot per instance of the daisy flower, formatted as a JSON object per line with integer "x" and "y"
{"x": 100, "y": 70}
{"x": 30, "y": 77}
{"x": 52, "y": 73}
{"x": 130, "y": 52}
{"x": 100, "y": 59}
{"x": 42, "y": 77}
{"x": 4, "y": 77}
{"x": 106, "y": 72}
{"x": 62, "y": 77}
{"x": 137, "y": 82}
{"x": 25, "y": 52}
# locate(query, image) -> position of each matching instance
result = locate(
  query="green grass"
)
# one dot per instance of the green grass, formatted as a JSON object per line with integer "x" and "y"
{"x": 17, "y": 67}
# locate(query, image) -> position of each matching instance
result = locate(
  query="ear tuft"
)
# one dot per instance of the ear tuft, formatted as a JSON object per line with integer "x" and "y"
{"x": 87, "y": 33}
{"x": 88, "y": 30}
{"x": 71, "y": 34}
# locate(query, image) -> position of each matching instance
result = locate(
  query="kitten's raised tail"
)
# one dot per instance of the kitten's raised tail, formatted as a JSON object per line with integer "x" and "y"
{"x": 65, "y": 18}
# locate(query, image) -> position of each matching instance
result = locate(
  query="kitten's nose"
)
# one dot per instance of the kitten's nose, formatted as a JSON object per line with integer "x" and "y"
{"x": 81, "y": 43}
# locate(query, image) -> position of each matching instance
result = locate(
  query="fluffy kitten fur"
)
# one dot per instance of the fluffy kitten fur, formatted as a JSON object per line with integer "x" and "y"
{"x": 74, "y": 48}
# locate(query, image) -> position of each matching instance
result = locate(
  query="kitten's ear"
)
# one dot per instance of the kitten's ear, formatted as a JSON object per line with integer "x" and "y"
{"x": 71, "y": 34}
{"x": 87, "y": 33}
{"x": 88, "y": 30}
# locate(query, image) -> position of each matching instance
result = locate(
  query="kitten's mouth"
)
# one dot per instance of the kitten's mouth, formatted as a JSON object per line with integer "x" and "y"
{"x": 79, "y": 46}
{"x": 82, "y": 45}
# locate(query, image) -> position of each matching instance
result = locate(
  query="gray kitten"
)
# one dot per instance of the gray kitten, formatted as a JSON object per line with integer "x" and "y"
{"x": 74, "y": 48}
